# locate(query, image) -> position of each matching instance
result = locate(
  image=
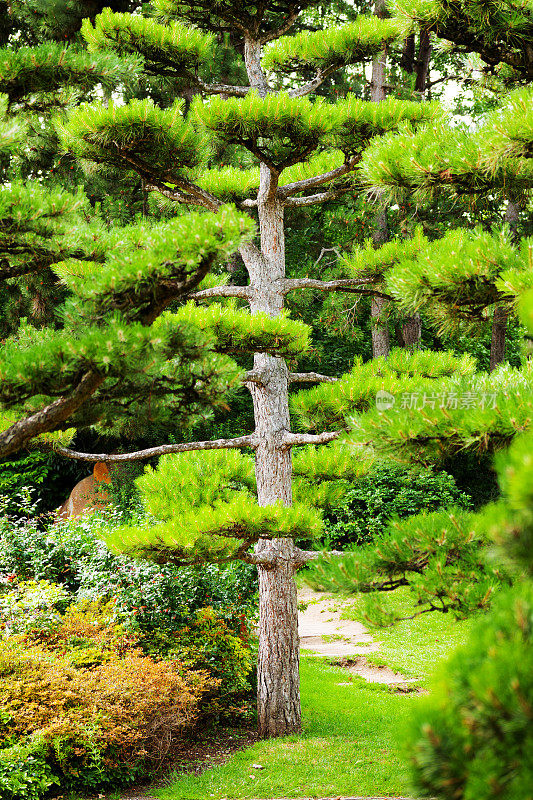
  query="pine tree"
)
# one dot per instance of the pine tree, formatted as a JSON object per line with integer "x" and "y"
{"x": 305, "y": 153}
{"x": 108, "y": 342}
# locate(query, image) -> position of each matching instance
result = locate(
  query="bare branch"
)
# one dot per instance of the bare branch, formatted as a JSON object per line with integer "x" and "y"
{"x": 210, "y": 202}
{"x": 314, "y": 199}
{"x": 317, "y": 81}
{"x": 255, "y": 376}
{"x": 318, "y": 180}
{"x": 187, "y": 192}
{"x": 221, "y": 88}
{"x": 303, "y": 557}
{"x": 177, "y": 196}
{"x": 323, "y": 253}
{"x": 339, "y": 285}
{"x": 310, "y": 377}
{"x": 49, "y": 417}
{"x": 265, "y": 559}
{"x": 150, "y": 452}
{"x": 222, "y": 291}
{"x": 294, "y": 439}
{"x": 248, "y": 203}
{"x": 282, "y": 30}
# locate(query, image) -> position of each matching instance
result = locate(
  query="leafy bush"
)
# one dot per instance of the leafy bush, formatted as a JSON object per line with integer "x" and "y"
{"x": 24, "y": 772}
{"x": 387, "y": 491}
{"x": 474, "y": 738}
{"x": 31, "y": 605}
{"x": 160, "y": 597}
{"x": 100, "y": 725}
{"x": 208, "y": 644}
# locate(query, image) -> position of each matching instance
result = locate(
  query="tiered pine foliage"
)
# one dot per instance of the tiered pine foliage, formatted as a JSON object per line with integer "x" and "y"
{"x": 473, "y": 737}
{"x": 167, "y": 361}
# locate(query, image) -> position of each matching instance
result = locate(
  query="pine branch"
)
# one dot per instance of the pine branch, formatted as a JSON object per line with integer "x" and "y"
{"x": 151, "y": 452}
{"x": 266, "y": 559}
{"x": 244, "y": 292}
{"x": 190, "y": 193}
{"x": 219, "y": 88}
{"x": 318, "y": 180}
{"x": 303, "y": 557}
{"x": 356, "y": 285}
{"x": 255, "y": 376}
{"x": 295, "y": 439}
{"x": 310, "y": 377}
{"x": 282, "y": 30}
{"x": 177, "y": 197}
{"x": 314, "y": 199}
{"x": 49, "y": 417}
{"x": 312, "y": 85}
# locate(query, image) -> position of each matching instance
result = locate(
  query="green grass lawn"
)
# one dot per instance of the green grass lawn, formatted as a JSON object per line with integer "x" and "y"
{"x": 413, "y": 647}
{"x": 354, "y": 733}
{"x": 351, "y": 744}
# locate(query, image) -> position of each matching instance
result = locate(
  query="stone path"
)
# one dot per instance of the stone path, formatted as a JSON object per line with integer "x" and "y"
{"x": 324, "y": 633}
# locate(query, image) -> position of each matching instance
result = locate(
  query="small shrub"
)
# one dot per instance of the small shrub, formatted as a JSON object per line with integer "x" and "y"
{"x": 32, "y": 605}
{"x": 70, "y": 553}
{"x": 102, "y": 725}
{"x": 387, "y": 491}
{"x": 24, "y": 772}
{"x": 208, "y": 644}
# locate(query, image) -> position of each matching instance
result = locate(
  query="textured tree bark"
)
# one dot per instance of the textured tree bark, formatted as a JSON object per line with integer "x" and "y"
{"x": 409, "y": 332}
{"x": 379, "y": 306}
{"x": 422, "y": 64}
{"x": 278, "y": 694}
{"x": 501, "y": 315}
{"x": 499, "y": 329}
{"x": 278, "y": 675}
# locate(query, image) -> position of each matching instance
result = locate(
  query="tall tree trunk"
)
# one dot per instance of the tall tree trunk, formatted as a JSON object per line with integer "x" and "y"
{"x": 407, "y": 61}
{"x": 501, "y": 315}
{"x": 379, "y": 307}
{"x": 409, "y": 331}
{"x": 422, "y": 64}
{"x": 278, "y": 695}
{"x": 499, "y": 329}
